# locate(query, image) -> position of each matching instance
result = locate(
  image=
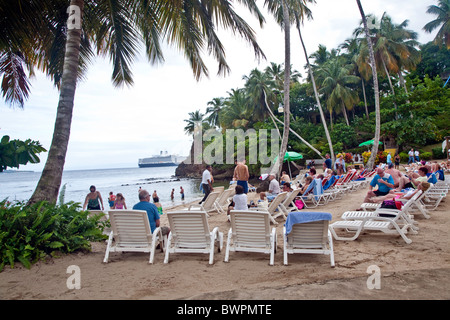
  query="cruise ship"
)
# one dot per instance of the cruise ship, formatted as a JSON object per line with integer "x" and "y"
{"x": 162, "y": 160}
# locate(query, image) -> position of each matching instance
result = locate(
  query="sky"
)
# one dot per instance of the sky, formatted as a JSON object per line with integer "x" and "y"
{"x": 114, "y": 127}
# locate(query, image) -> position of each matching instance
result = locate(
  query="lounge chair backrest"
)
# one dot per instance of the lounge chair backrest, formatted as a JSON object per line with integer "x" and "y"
{"x": 309, "y": 235}
{"x": 209, "y": 202}
{"x": 222, "y": 199}
{"x": 130, "y": 228}
{"x": 189, "y": 229}
{"x": 250, "y": 228}
{"x": 408, "y": 203}
{"x": 277, "y": 201}
{"x": 291, "y": 196}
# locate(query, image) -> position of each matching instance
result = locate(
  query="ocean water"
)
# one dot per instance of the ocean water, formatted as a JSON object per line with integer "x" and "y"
{"x": 20, "y": 185}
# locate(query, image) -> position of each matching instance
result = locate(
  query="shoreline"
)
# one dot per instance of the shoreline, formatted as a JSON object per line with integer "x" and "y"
{"x": 420, "y": 270}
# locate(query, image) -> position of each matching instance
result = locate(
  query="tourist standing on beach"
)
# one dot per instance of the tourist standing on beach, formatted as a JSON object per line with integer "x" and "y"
{"x": 327, "y": 163}
{"x": 93, "y": 200}
{"x": 397, "y": 161}
{"x": 111, "y": 200}
{"x": 172, "y": 194}
{"x": 182, "y": 193}
{"x": 411, "y": 156}
{"x": 155, "y": 197}
{"x": 120, "y": 202}
{"x": 339, "y": 165}
{"x": 241, "y": 175}
{"x": 207, "y": 182}
{"x": 389, "y": 159}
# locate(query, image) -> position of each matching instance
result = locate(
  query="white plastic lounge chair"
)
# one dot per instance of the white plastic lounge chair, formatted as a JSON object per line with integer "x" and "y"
{"x": 307, "y": 232}
{"x": 131, "y": 233}
{"x": 208, "y": 205}
{"x": 274, "y": 209}
{"x": 398, "y": 224}
{"x": 189, "y": 233}
{"x": 250, "y": 232}
{"x": 315, "y": 194}
{"x": 405, "y": 211}
{"x": 222, "y": 201}
{"x": 288, "y": 205}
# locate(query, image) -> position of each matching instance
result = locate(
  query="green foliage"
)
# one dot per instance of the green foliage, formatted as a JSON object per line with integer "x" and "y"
{"x": 437, "y": 153}
{"x": 29, "y": 233}
{"x": 426, "y": 156}
{"x": 403, "y": 157}
{"x": 13, "y": 153}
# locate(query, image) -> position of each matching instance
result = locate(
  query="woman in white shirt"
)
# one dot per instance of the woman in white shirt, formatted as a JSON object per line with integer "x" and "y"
{"x": 239, "y": 200}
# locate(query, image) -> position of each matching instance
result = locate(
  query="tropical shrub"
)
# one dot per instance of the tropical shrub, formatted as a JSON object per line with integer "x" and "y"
{"x": 403, "y": 157}
{"x": 426, "y": 156}
{"x": 29, "y": 233}
{"x": 381, "y": 157}
{"x": 437, "y": 153}
{"x": 366, "y": 156}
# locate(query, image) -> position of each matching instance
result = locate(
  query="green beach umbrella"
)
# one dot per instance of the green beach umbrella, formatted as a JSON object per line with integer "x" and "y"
{"x": 290, "y": 156}
{"x": 369, "y": 143}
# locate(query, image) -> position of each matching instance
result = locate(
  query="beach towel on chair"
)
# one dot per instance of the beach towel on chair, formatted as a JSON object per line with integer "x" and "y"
{"x": 304, "y": 217}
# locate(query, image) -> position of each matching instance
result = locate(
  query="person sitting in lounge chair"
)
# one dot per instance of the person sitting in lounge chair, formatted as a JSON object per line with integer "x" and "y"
{"x": 274, "y": 188}
{"x": 385, "y": 184}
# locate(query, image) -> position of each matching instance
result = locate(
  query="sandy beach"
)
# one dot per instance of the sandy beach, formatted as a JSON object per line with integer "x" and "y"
{"x": 420, "y": 270}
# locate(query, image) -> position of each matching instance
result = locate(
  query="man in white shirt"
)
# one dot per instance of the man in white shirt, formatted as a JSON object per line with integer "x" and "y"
{"x": 411, "y": 156}
{"x": 274, "y": 188}
{"x": 207, "y": 182}
{"x": 416, "y": 156}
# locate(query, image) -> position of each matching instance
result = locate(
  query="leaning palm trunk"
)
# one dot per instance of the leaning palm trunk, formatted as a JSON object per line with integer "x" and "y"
{"x": 371, "y": 161}
{"x": 316, "y": 93}
{"x": 287, "y": 77}
{"x": 365, "y": 98}
{"x": 50, "y": 181}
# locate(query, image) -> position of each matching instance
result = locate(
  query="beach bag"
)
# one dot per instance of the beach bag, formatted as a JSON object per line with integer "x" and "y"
{"x": 299, "y": 204}
{"x": 389, "y": 204}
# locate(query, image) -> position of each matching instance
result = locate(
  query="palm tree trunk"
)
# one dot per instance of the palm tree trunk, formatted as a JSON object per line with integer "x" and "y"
{"x": 365, "y": 98}
{"x": 388, "y": 76}
{"x": 371, "y": 161}
{"x": 272, "y": 116}
{"x": 344, "y": 111}
{"x": 287, "y": 83}
{"x": 316, "y": 93}
{"x": 50, "y": 181}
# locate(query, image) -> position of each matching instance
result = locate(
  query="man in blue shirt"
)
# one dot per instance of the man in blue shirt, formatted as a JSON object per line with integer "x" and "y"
{"x": 385, "y": 184}
{"x": 327, "y": 163}
{"x": 152, "y": 211}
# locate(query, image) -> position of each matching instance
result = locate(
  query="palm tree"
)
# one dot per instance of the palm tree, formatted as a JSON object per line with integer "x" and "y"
{"x": 394, "y": 47}
{"x": 442, "y": 21}
{"x": 195, "y": 119}
{"x": 236, "y": 113}
{"x": 335, "y": 82}
{"x": 260, "y": 91}
{"x": 216, "y": 105}
{"x": 371, "y": 161}
{"x": 352, "y": 46}
{"x": 114, "y": 28}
